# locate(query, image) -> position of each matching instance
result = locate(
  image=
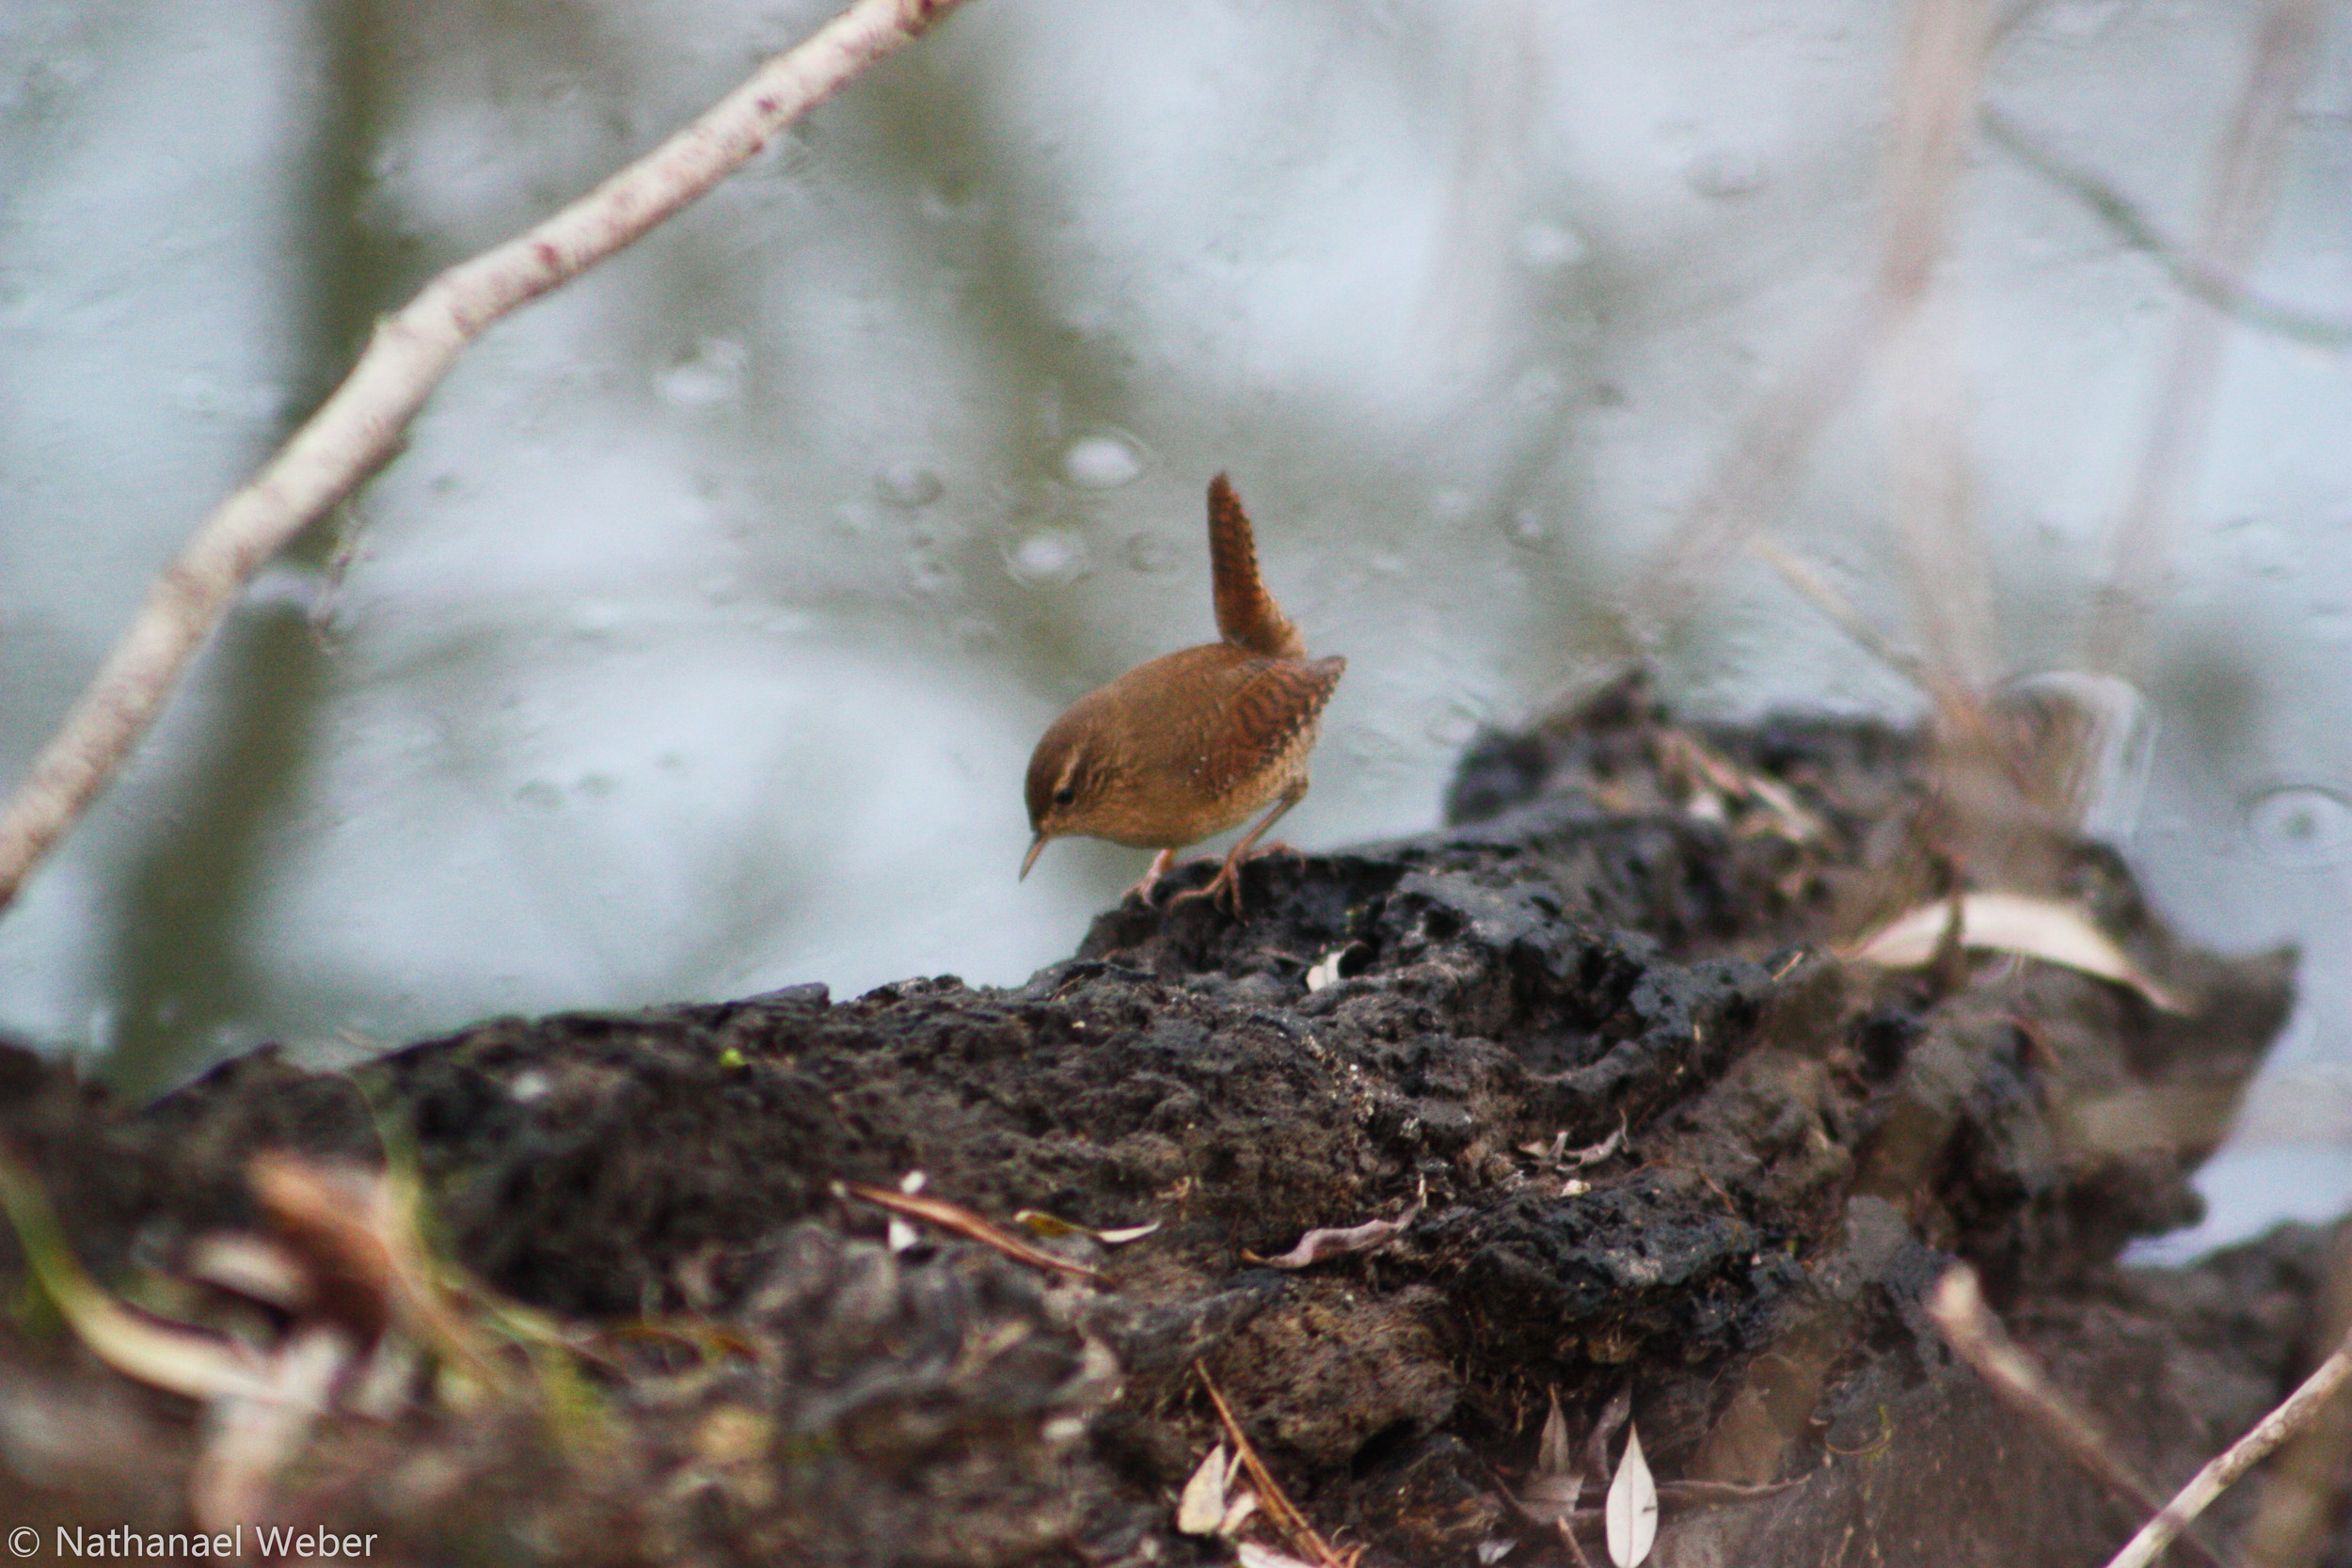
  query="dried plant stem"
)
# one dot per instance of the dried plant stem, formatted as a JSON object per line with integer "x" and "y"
{"x": 2244, "y": 187}
{"x": 1957, "y": 1305}
{"x": 1901, "y": 329}
{"x": 2301, "y": 1409}
{"x": 359, "y": 426}
{"x": 1930, "y": 489}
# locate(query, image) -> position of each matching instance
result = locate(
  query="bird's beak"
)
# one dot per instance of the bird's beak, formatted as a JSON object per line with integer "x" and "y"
{"x": 1030, "y": 859}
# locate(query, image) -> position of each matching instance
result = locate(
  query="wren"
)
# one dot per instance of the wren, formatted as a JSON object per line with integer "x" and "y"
{"x": 1191, "y": 743}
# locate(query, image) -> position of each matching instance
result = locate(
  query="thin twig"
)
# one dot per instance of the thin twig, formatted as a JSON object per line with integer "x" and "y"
{"x": 359, "y": 428}
{"x": 2245, "y": 184}
{"x": 1841, "y": 611}
{"x": 1271, "y": 1497}
{"x": 2190, "y": 273}
{"x": 1977, "y": 1337}
{"x": 2298, "y": 1411}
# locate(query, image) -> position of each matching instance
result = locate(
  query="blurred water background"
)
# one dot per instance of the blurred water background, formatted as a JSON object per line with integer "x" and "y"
{"x": 695, "y": 643}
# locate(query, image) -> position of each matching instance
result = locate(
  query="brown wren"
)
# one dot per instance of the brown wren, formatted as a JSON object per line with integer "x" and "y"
{"x": 1190, "y": 744}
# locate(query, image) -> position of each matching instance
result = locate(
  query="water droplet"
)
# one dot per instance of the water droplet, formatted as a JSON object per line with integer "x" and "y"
{"x": 1539, "y": 389}
{"x": 1103, "y": 460}
{"x": 950, "y": 196}
{"x": 929, "y": 576}
{"x": 1525, "y": 527}
{"x": 1725, "y": 172}
{"x": 712, "y": 373}
{"x": 2300, "y": 826}
{"x": 907, "y": 485}
{"x": 1151, "y": 554}
{"x": 1549, "y": 247}
{"x": 597, "y": 786}
{"x": 975, "y": 636}
{"x": 1453, "y": 725}
{"x": 2077, "y": 21}
{"x": 539, "y": 795}
{"x": 1047, "y": 560}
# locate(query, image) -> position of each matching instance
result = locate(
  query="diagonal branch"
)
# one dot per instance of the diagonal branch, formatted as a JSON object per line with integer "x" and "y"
{"x": 359, "y": 428}
{"x": 2301, "y": 1409}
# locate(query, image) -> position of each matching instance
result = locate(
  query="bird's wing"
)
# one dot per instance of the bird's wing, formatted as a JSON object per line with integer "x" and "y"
{"x": 1273, "y": 702}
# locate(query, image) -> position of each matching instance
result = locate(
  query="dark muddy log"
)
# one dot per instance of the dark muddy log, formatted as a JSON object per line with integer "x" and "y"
{"x": 1664, "y": 1142}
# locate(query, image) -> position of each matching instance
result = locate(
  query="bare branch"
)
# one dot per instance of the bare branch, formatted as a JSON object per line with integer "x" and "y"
{"x": 359, "y": 428}
{"x": 2300, "y": 1410}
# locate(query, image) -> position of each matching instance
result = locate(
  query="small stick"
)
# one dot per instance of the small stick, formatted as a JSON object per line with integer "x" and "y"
{"x": 1279, "y": 1507}
{"x": 2298, "y": 1411}
{"x": 359, "y": 428}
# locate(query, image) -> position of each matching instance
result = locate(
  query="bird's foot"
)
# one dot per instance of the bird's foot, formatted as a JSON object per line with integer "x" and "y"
{"x": 1160, "y": 862}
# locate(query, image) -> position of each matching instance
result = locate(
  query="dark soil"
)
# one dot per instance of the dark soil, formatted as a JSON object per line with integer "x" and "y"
{"x": 1617, "y": 940}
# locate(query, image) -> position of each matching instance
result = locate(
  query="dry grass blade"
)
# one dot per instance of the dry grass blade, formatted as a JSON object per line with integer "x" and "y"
{"x": 2190, "y": 273}
{"x": 182, "y": 1359}
{"x": 948, "y": 1216}
{"x": 1919, "y": 358}
{"x": 1278, "y": 1506}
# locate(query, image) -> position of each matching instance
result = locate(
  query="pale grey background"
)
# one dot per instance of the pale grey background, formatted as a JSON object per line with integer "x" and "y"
{"x": 696, "y": 643}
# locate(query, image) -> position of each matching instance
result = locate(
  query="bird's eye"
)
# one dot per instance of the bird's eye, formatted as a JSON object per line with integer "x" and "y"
{"x": 1065, "y": 795}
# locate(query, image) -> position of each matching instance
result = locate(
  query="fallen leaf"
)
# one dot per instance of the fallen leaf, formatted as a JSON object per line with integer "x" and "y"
{"x": 2045, "y": 929}
{"x": 1042, "y": 1224}
{"x": 1325, "y": 970}
{"x": 1315, "y": 1246}
{"x": 1630, "y": 1514}
{"x": 948, "y": 1216}
{"x": 1551, "y": 1491}
{"x": 1201, "y": 1511}
{"x": 1255, "y": 1555}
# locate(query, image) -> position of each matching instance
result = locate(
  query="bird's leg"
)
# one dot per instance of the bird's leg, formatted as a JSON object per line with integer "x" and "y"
{"x": 1225, "y": 887}
{"x": 1160, "y": 862}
